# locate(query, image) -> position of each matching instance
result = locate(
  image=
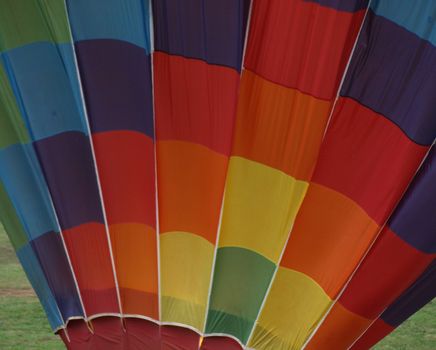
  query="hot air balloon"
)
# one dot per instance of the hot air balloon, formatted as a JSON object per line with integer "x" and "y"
{"x": 220, "y": 174}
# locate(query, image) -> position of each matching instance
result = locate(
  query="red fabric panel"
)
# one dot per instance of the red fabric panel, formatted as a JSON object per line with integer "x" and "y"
{"x": 178, "y": 338}
{"x": 367, "y": 158}
{"x": 310, "y": 54}
{"x": 373, "y": 335}
{"x": 388, "y": 269}
{"x": 89, "y": 252}
{"x": 79, "y": 335}
{"x": 142, "y": 334}
{"x": 220, "y": 343}
{"x": 194, "y": 101}
{"x": 108, "y": 334}
{"x": 126, "y": 167}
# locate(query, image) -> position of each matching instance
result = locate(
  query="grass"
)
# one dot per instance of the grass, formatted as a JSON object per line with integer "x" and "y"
{"x": 23, "y": 324}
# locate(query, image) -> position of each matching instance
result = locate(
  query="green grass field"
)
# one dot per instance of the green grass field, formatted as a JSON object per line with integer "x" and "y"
{"x": 23, "y": 324}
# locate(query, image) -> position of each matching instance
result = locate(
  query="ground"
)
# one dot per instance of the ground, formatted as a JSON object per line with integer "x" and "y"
{"x": 23, "y": 324}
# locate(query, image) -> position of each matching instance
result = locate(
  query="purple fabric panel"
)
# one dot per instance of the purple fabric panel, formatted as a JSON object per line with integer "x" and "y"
{"x": 50, "y": 252}
{"x": 116, "y": 78}
{"x": 68, "y": 166}
{"x": 414, "y": 298}
{"x": 210, "y": 30}
{"x": 393, "y": 72}
{"x": 343, "y": 5}
{"x": 414, "y": 219}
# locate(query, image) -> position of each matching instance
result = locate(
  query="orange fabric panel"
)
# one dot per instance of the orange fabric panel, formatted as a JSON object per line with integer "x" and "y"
{"x": 135, "y": 254}
{"x": 125, "y": 162}
{"x": 339, "y": 330}
{"x": 279, "y": 126}
{"x": 191, "y": 184}
{"x": 330, "y": 235}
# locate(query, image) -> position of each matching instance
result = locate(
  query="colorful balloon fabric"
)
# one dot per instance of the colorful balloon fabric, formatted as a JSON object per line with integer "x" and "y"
{"x": 221, "y": 174}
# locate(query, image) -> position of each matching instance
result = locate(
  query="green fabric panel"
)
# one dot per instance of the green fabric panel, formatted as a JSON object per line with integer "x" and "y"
{"x": 27, "y": 21}
{"x": 10, "y": 221}
{"x": 12, "y": 128}
{"x": 241, "y": 279}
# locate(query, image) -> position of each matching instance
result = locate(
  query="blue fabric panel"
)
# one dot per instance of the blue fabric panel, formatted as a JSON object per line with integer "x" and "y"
{"x": 421, "y": 292}
{"x": 67, "y": 162}
{"x": 50, "y": 252}
{"x": 414, "y": 219}
{"x": 417, "y": 16}
{"x": 40, "y": 76}
{"x": 343, "y": 5}
{"x": 39, "y": 283}
{"x": 116, "y": 79}
{"x": 210, "y": 30}
{"x": 126, "y": 20}
{"x": 393, "y": 72}
{"x": 23, "y": 180}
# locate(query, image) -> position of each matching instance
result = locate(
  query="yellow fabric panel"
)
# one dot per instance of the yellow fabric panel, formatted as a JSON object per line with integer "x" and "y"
{"x": 185, "y": 265}
{"x": 291, "y": 312}
{"x": 260, "y": 206}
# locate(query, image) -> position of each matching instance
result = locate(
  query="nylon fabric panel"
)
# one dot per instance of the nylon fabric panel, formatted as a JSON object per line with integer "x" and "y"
{"x": 241, "y": 278}
{"x": 10, "y": 220}
{"x": 12, "y": 127}
{"x": 92, "y": 267}
{"x": 212, "y": 31}
{"x": 195, "y": 101}
{"x": 338, "y": 238}
{"x": 301, "y": 45}
{"x": 411, "y": 300}
{"x": 118, "y": 20}
{"x": 343, "y": 5}
{"x": 278, "y": 126}
{"x": 184, "y": 299}
{"x": 198, "y": 46}
{"x": 36, "y": 278}
{"x": 112, "y": 42}
{"x": 275, "y": 329}
{"x": 388, "y": 269}
{"x": 44, "y": 20}
{"x": 408, "y": 15}
{"x": 351, "y": 325}
{"x": 367, "y": 158}
{"x": 136, "y": 261}
{"x": 413, "y": 220}
{"x": 191, "y": 179}
{"x": 53, "y": 107}
{"x": 259, "y": 200}
{"x": 392, "y": 72}
{"x": 281, "y": 117}
{"x": 378, "y": 330}
{"x": 368, "y": 163}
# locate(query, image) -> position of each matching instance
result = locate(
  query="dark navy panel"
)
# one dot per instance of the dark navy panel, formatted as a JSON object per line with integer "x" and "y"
{"x": 414, "y": 298}
{"x": 343, "y": 5}
{"x": 414, "y": 219}
{"x": 210, "y": 30}
{"x": 39, "y": 283}
{"x": 417, "y": 16}
{"x": 393, "y": 72}
{"x": 40, "y": 75}
{"x": 51, "y": 255}
{"x": 116, "y": 78}
{"x": 68, "y": 166}
{"x": 24, "y": 183}
{"x": 126, "y": 20}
